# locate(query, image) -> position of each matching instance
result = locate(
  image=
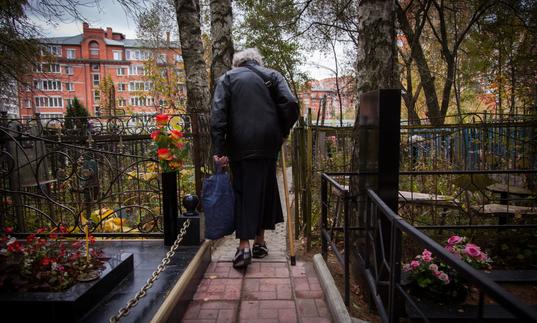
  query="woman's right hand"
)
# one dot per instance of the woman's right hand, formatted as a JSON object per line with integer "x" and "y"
{"x": 221, "y": 161}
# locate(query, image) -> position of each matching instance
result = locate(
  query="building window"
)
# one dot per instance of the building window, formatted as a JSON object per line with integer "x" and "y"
{"x": 69, "y": 70}
{"x": 69, "y": 87}
{"x": 96, "y": 96}
{"x": 178, "y": 58}
{"x": 136, "y": 86}
{"x": 148, "y": 86}
{"x": 49, "y": 116}
{"x": 120, "y": 71}
{"x": 47, "y": 68}
{"x": 137, "y": 101}
{"x": 28, "y": 103}
{"x": 96, "y": 79}
{"x": 48, "y": 85}
{"x": 51, "y": 50}
{"x": 137, "y": 55}
{"x": 121, "y": 87}
{"x": 117, "y": 55}
{"x": 121, "y": 102}
{"x": 161, "y": 59}
{"x": 94, "y": 67}
{"x": 94, "y": 48}
{"x": 69, "y": 102}
{"x": 48, "y": 101}
{"x": 71, "y": 53}
{"x": 136, "y": 70}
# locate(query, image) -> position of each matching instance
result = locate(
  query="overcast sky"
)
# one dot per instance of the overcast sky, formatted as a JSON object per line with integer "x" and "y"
{"x": 110, "y": 14}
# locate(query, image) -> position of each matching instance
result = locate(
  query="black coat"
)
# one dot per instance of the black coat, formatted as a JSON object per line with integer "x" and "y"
{"x": 245, "y": 121}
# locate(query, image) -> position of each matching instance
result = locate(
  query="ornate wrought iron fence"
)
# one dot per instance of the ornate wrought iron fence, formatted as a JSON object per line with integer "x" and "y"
{"x": 64, "y": 171}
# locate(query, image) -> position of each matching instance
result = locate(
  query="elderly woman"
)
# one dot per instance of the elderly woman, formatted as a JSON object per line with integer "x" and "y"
{"x": 252, "y": 112}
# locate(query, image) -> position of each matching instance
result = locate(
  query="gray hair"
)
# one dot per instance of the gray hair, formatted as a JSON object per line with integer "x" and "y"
{"x": 249, "y": 54}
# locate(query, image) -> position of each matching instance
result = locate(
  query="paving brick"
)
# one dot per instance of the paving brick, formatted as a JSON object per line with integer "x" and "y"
{"x": 268, "y": 311}
{"x": 267, "y": 288}
{"x": 307, "y": 308}
{"x": 218, "y": 289}
{"x": 222, "y": 270}
{"x": 211, "y": 311}
{"x": 315, "y": 320}
{"x": 267, "y": 270}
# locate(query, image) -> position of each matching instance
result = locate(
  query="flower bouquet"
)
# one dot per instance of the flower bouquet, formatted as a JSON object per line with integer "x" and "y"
{"x": 44, "y": 263}
{"x": 429, "y": 277}
{"x": 170, "y": 144}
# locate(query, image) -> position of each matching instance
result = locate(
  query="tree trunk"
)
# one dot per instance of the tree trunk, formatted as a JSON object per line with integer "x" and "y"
{"x": 222, "y": 43}
{"x": 376, "y": 60}
{"x": 188, "y": 21}
{"x": 427, "y": 80}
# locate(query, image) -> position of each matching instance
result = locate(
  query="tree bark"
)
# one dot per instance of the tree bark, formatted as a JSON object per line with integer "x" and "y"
{"x": 188, "y": 21}
{"x": 376, "y": 60}
{"x": 222, "y": 43}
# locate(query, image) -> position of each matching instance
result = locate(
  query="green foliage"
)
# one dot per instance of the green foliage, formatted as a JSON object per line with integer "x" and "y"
{"x": 76, "y": 116}
{"x": 267, "y": 27}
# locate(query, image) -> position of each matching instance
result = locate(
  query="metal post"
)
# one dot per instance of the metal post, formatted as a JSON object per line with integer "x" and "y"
{"x": 346, "y": 201}
{"x": 324, "y": 214}
{"x": 169, "y": 206}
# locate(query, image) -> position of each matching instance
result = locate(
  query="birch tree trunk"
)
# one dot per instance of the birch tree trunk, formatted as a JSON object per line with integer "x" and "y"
{"x": 222, "y": 43}
{"x": 376, "y": 64}
{"x": 188, "y": 21}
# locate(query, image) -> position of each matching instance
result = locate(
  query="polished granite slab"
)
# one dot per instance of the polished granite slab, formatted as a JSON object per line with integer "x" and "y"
{"x": 147, "y": 256}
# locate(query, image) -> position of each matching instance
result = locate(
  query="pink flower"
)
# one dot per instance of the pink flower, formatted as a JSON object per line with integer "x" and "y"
{"x": 437, "y": 273}
{"x": 483, "y": 256}
{"x": 407, "y": 268}
{"x": 444, "y": 277}
{"x": 454, "y": 240}
{"x": 433, "y": 267}
{"x": 449, "y": 248}
{"x": 414, "y": 264}
{"x": 426, "y": 255}
{"x": 472, "y": 250}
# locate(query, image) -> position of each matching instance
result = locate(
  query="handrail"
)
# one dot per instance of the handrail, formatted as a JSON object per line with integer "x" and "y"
{"x": 494, "y": 290}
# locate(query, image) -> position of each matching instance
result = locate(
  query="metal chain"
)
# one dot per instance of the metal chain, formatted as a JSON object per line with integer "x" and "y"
{"x": 154, "y": 276}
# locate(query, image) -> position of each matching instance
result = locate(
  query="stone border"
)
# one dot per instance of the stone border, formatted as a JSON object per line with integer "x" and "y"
{"x": 333, "y": 297}
{"x": 177, "y": 300}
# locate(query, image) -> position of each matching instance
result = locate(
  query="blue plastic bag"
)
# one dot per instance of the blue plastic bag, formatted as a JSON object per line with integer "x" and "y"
{"x": 218, "y": 201}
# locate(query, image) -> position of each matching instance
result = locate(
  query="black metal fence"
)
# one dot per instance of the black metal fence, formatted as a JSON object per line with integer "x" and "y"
{"x": 64, "y": 171}
{"x": 383, "y": 240}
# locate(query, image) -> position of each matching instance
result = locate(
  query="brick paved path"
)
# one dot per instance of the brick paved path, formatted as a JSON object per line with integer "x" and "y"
{"x": 270, "y": 290}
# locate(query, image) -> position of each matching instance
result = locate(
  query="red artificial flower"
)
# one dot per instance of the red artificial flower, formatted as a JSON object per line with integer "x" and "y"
{"x": 164, "y": 154}
{"x": 8, "y": 230}
{"x": 46, "y": 261}
{"x": 155, "y": 134}
{"x": 176, "y": 134}
{"x": 162, "y": 120}
{"x": 41, "y": 230}
{"x": 91, "y": 239}
{"x": 53, "y": 236}
{"x": 30, "y": 238}
{"x": 180, "y": 145}
{"x": 14, "y": 247}
{"x": 63, "y": 229}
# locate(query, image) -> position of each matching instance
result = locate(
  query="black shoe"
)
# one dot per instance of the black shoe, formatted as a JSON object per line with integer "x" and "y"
{"x": 242, "y": 258}
{"x": 260, "y": 250}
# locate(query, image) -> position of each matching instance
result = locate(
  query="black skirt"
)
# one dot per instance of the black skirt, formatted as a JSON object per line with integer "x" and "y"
{"x": 257, "y": 200}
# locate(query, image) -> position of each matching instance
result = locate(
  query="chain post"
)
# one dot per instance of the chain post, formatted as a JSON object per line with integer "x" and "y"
{"x": 124, "y": 311}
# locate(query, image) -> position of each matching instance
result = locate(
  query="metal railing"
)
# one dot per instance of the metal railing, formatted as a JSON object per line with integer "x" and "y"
{"x": 378, "y": 243}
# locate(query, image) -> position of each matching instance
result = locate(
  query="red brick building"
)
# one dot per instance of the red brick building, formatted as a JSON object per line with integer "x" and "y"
{"x": 316, "y": 90}
{"x": 74, "y": 66}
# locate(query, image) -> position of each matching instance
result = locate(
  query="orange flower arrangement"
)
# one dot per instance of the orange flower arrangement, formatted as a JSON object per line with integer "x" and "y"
{"x": 170, "y": 144}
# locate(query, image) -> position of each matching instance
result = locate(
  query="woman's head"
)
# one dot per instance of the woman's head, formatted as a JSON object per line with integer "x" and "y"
{"x": 249, "y": 54}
